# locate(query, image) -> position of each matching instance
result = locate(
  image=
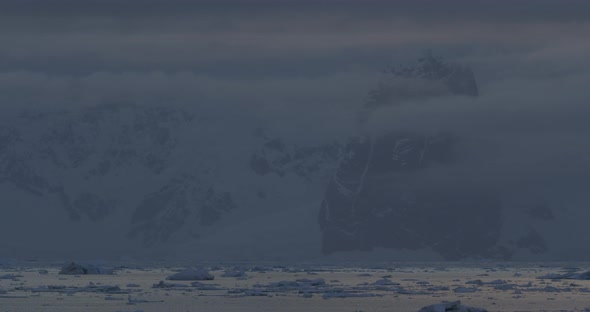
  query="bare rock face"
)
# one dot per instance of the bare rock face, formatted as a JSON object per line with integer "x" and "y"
{"x": 372, "y": 202}
{"x": 369, "y": 202}
{"x": 430, "y": 76}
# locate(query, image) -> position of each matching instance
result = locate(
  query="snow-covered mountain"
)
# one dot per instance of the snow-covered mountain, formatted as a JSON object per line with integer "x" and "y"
{"x": 94, "y": 163}
{"x": 128, "y": 178}
{"x": 132, "y": 179}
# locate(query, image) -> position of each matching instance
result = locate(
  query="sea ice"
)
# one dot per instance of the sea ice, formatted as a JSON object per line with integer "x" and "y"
{"x": 385, "y": 281}
{"x": 91, "y": 288}
{"x": 197, "y": 274}
{"x": 163, "y": 284}
{"x": 10, "y": 276}
{"x": 240, "y": 274}
{"x": 132, "y": 301}
{"x": 73, "y": 268}
{"x": 347, "y": 294}
{"x": 203, "y": 286}
{"x": 465, "y": 290}
{"x": 568, "y": 275}
{"x": 455, "y": 306}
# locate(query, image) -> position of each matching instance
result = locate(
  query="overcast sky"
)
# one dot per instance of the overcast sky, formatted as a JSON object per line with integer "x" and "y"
{"x": 281, "y": 57}
{"x": 293, "y": 49}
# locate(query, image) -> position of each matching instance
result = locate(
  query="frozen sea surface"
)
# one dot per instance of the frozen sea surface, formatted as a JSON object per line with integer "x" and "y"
{"x": 394, "y": 287}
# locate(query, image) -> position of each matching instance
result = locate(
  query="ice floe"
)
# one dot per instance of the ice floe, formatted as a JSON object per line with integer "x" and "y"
{"x": 192, "y": 274}
{"x": 73, "y": 268}
{"x": 239, "y": 274}
{"x": 568, "y": 275}
{"x": 455, "y": 306}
